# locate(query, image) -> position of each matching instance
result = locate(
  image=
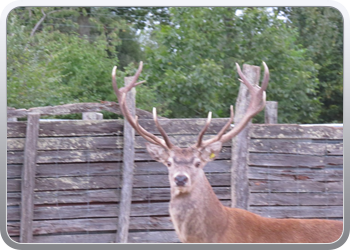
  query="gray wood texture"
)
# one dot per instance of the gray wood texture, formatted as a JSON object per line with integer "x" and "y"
{"x": 92, "y": 116}
{"x": 28, "y": 178}
{"x": 239, "y": 172}
{"x": 128, "y": 168}
{"x": 293, "y": 172}
{"x": 74, "y": 108}
{"x": 271, "y": 112}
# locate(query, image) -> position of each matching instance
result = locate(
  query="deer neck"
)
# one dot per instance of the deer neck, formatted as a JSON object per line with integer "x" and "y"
{"x": 198, "y": 216}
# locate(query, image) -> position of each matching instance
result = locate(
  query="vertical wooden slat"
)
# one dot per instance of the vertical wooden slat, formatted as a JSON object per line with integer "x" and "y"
{"x": 239, "y": 158}
{"x": 128, "y": 169}
{"x": 28, "y": 178}
{"x": 92, "y": 116}
{"x": 271, "y": 110}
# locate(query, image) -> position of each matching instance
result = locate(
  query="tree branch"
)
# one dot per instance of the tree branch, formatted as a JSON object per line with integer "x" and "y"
{"x": 38, "y": 23}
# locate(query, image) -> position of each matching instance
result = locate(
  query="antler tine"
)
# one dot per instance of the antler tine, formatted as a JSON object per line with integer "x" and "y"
{"x": 144, "y": 133}
{"x": 222, "y": 131}
{"x": 257, "y": 103}
{"x": 220, "y": 134}
{"x": 265, "y": 81}
{"x": 134, "y": 82}
{"x": 161, "y": 130}
{"x": 201, "y": 134}
{"x": 121, "y": 94}
{"x": 244, "y": 79}
{"x": 114, "y": 82}
{"x": 131, "y": 85}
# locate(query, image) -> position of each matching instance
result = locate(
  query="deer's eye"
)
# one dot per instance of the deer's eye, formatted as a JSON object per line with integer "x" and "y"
{"x": 197, "y": 164}
{"x": 168, "y": 164}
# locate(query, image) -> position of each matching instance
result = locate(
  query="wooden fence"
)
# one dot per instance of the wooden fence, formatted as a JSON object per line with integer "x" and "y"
{"x": 293, "y": 171}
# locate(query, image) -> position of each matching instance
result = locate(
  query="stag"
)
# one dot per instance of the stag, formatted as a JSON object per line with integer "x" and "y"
{"x": 197, "y": 214}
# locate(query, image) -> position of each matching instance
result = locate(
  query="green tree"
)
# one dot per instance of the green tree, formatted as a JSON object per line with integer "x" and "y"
{"x": 191, "y": 62}
{"x": 58, "y": 56}
{"x": 321, "y": 32}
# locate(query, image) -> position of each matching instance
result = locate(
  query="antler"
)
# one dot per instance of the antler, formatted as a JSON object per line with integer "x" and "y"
{"x": 121, "y": 94}
{"x": 257, "y": 103}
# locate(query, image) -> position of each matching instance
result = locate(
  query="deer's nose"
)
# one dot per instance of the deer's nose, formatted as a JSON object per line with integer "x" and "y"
{"x": 180, "y": 180}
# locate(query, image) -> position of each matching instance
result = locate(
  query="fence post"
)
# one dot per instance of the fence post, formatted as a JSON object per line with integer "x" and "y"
{"x": 92, "y": 116}
{"x": 128, "y": 169}
{"x": 239, "y": 158}
{"x": 28, "y": 178}
{"x": 271, "y": 110}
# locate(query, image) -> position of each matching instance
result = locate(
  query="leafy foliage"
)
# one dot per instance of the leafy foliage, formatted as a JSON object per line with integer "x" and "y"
{"x": 321, "y": 32}
{"x": 60, "y": 63}
{"x": 193, "y": 62}
{"x": 65, "y": 55}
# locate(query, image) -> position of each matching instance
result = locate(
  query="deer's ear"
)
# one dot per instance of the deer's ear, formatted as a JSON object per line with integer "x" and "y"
{"x": 158, "y": 153}
{"x": 211, "y": 151}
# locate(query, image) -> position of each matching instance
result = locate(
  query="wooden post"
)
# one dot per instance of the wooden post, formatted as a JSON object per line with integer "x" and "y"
{"x": 92, "y": 116}
{"x": 28, "y": 178}
{"x": 239, "y": 158}
{"x": 271, "y": 110}
{"x": 128, "y": 169}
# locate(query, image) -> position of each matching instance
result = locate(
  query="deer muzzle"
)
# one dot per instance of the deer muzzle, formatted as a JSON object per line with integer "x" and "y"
{"x": 181, "y": 180}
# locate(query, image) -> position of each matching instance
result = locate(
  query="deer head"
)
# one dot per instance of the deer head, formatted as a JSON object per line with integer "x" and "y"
{"x": 185, "y": 165}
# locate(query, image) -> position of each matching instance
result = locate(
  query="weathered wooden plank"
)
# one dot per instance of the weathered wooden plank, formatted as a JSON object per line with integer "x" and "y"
{"x": 92, "y": 143}
{"x": 174, "y": 126}
{"x": 102, "y": 182}
{"x": 76, "y": 156}
{"x": 69, "y": 128}
{"x": 115, "y": 127}
{"x": 295, "y": 186}
{"x": 134, "y": 237}
{"x": 75, "y": 108}
{"x": 92, "y": 225}
{"x": 16, "y": 129}
{"x": 75, "y": 169}
{"x": 184, "y": 126}
{"x": 103, "y": 196}
{"x": 153, "y": 237}
{"x": 288, "y": 146}
{"x": 299, "y": 211}
{"x": 285, "y": 160}
{"x": 276, "y": 174}
{"x": 294, "y": 199}
{"x": 28, "y": 178}
{"x": 255, "y": 173}
{"x": 107, "y": 168}
{"x": 334, "y": 160}
{"x": 93, "y": 211}
{"x": 15, "y": 157}
{"x": 335, "y": 149}
{"x": 71, "y": 143}
{"x": 289, "y": 131}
